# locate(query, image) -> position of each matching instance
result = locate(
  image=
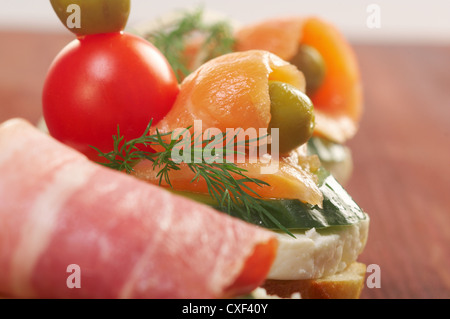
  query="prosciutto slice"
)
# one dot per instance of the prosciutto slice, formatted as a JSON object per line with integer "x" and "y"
{"x": 62, "y": 215}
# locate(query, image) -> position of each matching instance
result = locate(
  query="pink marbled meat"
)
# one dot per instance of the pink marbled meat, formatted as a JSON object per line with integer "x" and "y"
{"x": 130, "y": 239}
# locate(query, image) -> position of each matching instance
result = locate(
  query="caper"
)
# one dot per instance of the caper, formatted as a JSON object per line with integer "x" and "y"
{"x": 311, "y": 63}
{"x": 292, "y": 113}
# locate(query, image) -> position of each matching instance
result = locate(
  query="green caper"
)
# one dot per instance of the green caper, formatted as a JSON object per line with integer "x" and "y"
{"x": 292, "y": 113}
{"x": 310, "y": 62}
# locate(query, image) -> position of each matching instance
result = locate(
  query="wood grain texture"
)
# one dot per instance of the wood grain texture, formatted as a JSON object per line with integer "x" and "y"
{"x": 24, "y": 61}
{"x": 402, "y": 168}
{"x": 401, "y": 153}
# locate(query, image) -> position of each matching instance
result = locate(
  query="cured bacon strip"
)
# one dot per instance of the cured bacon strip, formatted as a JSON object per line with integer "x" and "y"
{"x": 130, "y": 239}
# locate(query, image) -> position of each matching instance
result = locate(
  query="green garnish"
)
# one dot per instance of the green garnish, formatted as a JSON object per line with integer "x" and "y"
{"x": 171, "y": 39}
{"x": 338, "y": 209}
{"x": 227, "y": 183}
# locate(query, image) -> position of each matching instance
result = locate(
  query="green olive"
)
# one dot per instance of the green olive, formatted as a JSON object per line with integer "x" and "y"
{"x": 310, "y": 62}
{"x": 292, "y": 113}
{"x": 84, "y": 17}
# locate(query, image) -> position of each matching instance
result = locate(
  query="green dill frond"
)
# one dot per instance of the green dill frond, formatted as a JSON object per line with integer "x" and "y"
{"x": 171, "y": 39}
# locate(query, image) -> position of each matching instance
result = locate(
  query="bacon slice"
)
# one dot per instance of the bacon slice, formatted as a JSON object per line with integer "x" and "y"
{"x": 130, "y": 239}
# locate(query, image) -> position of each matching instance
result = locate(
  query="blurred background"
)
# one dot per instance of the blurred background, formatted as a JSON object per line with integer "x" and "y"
{"x": 400, "y": 153}
{"x": 401, "y": 20}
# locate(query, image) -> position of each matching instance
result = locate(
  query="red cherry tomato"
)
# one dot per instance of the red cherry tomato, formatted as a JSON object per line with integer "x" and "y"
{"x": 101, "y": 81}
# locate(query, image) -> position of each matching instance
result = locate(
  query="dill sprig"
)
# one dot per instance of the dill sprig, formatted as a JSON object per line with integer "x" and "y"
{"x": 227, "y": 183}
{"x": 171, "y": 39}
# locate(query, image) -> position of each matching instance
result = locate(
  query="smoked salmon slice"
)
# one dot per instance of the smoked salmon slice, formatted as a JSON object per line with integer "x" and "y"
{"x": 130, "y": 239}
{"x": 232, "y": 92}
{"x": 290, "y": 181}
{"x": 338, "y": 101}
{"x": 281, "y": 36}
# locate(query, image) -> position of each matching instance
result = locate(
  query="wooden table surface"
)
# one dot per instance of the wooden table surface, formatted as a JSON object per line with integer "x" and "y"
{"x": 401, "y": 153}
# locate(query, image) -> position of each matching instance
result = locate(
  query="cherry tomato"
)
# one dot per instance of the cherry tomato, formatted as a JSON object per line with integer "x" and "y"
{"x": 101, "y": 81}
{"x": 84, "y": 17}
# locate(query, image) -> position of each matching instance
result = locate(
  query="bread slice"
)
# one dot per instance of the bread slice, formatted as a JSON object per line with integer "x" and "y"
{"x": 347, "y": 284}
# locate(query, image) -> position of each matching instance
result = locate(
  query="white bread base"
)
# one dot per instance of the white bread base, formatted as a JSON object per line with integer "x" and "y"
{"x": 347, "y": 284}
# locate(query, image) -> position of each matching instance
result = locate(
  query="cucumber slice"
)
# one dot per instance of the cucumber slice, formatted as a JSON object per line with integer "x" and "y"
{"x": 338, "y": 209}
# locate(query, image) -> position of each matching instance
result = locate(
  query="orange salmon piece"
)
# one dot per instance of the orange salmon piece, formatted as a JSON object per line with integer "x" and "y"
{"x": 291, "y": 181}
{"x": 231, "y": 91}
{"x": 338, "y": 102}
{"x": 280, "y": 36}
